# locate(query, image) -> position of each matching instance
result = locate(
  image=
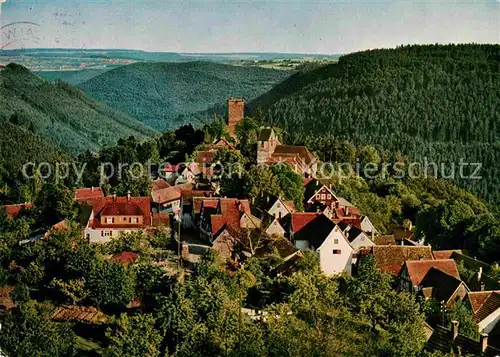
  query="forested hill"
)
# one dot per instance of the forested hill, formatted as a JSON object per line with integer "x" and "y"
{"x": 60, "y": 113}
{"x": 439, "y": 102}
{"x": 164, "y": 95}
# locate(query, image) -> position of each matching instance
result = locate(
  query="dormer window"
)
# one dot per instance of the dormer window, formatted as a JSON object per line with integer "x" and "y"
{"x": 133, "y": 219}
{"x": 109, "y": 219}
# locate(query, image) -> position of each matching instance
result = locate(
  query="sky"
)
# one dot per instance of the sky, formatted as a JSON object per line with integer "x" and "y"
{"x": 312, "y": 26}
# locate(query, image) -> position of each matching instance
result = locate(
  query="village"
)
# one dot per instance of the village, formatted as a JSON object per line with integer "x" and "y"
{"x": 187, "y": 201}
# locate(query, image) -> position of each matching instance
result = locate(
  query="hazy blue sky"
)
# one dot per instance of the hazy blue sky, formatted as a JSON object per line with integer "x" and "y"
{"x": 250, "y": 26}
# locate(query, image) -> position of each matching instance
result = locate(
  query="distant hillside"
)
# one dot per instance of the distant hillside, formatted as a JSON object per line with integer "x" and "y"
{"x": 62, "y": 114}
{"x": 439, "y": 102}
{"x": 163, "y": 95}
{"x": 72, "y": 77}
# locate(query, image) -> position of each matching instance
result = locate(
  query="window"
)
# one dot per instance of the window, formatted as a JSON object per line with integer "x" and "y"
{"x": 336, "y": 241}
{"x": 108, "y": 233}
{"x": 278, "y": 205}
{"x": 329, "y": 196}
{"x": 323, "y": 196}
{"x": 337, "y": 251}
{"x": 133, "y": 219}
{"x": 109, "y": 219}
{"x": 123, "y": 219}
{"x": 318, "y": 196}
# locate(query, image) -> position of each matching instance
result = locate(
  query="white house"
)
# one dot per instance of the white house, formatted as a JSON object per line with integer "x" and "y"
{"x": 168, "y": 200}
{"x": 281, "y": 208}
{"x": 486, "y": 308}
{"x": 275, "y": 228}
{"x": 367, "y": 226}
{"x": 111, "y": 216}
{"x": 357, "y": 238}
{"x": 323, "y": 236}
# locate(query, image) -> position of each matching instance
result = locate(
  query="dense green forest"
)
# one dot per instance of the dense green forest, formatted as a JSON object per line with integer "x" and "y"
{"x": 60, "y": 113}
{"x": 435, "y": 102}
{"x": 165, "y": 95}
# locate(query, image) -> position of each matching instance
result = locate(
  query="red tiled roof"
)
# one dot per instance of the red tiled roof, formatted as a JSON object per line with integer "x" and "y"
{"x": 355, "y": 222}
{"x": 13, "y": 210}
{"x": 417, "y": 269}
{"x": 390, "y": 258}
{"x": 211, "y": 203}
{"x": 189, "y": 196}
{"x": 488, "y": 306}
{"x": 301, "y": 219}
{"x": 59, "y": 226}
{"x": 160, "y": 219}
{"x": 231, "y": 210}
{"x": 291, "y": 205}
{"x": 307, "y": 180}
{"x": 159, "y": 184}
{"x": 171, "y": 168}
{"x": 170, "y": 194}
{"x": 88, "y": 194}
{"x": 301, "y": 151}
{"x": 122, "y": 209}
{"x": 478, "y": 298}
{"x": 125, "y": 258}
{"x": 197, "y": 202}
{"x": 445, "y": 254}
{"x": 116, "y": 206}
{"x": 346, "y": 213}
{"x": 206, "y": 157}
{"x": 217, "y": 221}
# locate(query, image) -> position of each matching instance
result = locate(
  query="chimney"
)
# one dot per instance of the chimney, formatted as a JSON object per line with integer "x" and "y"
{"x": 480, "y": 274}
{"x": 484, "y": 342}
{"x": 92, "y": 189}
{"x": 483, "y": 287}
{"x": 454, "y": 329}
{"x": 114, "y": 196}
{"x": 347, "y": 211}
{"x": 185, "y": 250}
{"x": 128, "y": 195}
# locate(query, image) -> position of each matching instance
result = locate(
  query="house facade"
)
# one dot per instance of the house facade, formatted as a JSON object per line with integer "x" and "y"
{"x": 323, "y": 236}
{"x": 280, "y": 208}
{"x": 111, "y": 216}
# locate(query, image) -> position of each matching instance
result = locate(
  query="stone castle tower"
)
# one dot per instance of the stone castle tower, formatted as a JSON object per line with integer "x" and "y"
{"x": 235, "y": 112}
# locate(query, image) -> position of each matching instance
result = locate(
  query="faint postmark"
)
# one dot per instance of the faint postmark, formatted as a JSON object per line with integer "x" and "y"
{"x": 19, "y": 34}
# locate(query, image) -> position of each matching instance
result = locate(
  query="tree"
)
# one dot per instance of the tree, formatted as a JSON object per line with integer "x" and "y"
{"x": 444, "y": 224}
{"x": 55, "y": 203}
{"x": 291, "y": 185}
{"x": 393, "y": 319}
{"x": 133, "y": 336}
{"x": 27, "y": 331}
{"x": 110, "y": 285}
{"x": 247, "y": 132}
